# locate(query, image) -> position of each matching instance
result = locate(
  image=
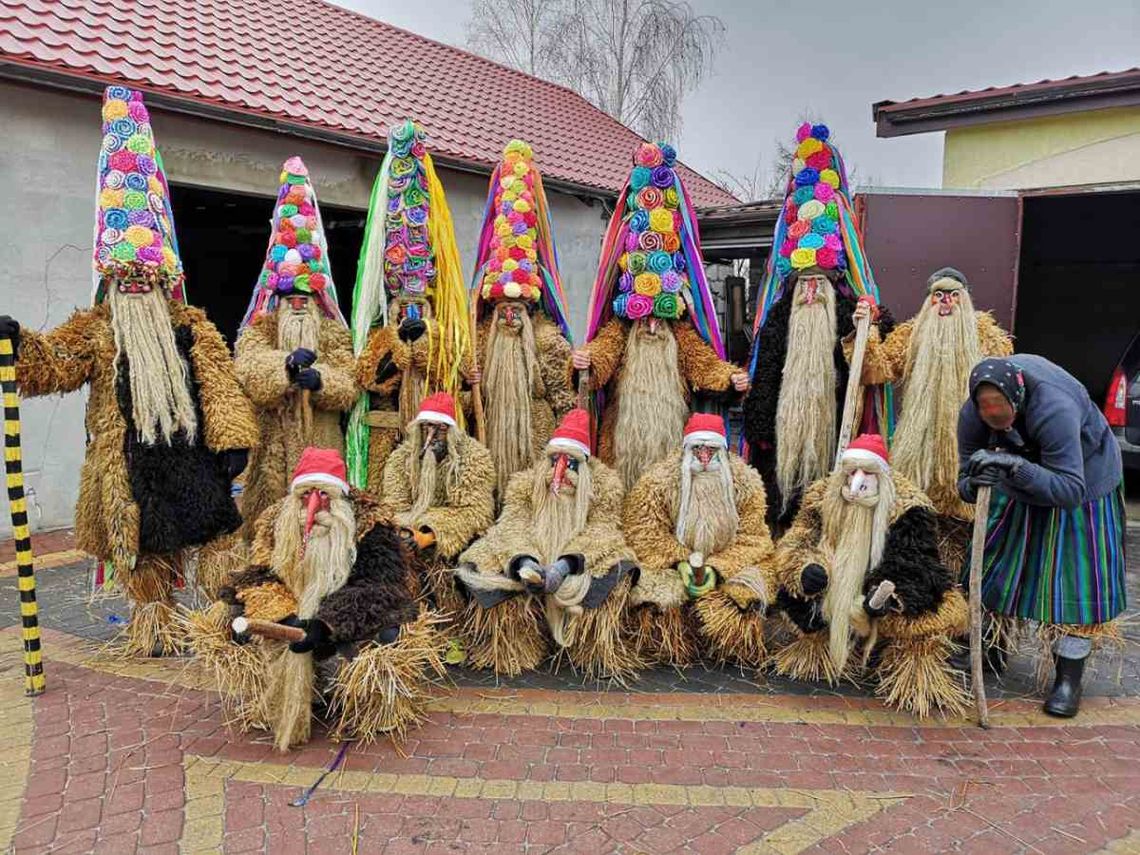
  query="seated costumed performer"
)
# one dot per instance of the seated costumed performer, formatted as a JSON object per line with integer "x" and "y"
{"x": 294, "y": 352}
{"x": 553, "y": 568}
{"x": 326, "y": 564}
{"x": 1056, "y": 525}
{"x": 168, "y": 426}
{"x": 695, "y": 521}
{"x": 439, "y": 486}
{"x": 860, "y": 566}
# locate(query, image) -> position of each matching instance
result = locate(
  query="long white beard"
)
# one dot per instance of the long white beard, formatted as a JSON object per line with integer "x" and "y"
{"x": 559, "y": 519}
{"x": 428, "y": 479}
{"x": 322, "y": 566}
{"x": 651, "y": 407}
{"x": 161, "y": 404}
{"x": 295, "y": 329}
{"x": 805, "y": 411}
{"x": 943, "y": 351}
{"x": 707, "y": 518}
{"x": 508, "y": 381}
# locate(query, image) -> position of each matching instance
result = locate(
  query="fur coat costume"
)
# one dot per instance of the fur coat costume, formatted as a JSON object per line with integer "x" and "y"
{"x": 762, "y": 400}
{"x": 137, "y": 499}
{"x": 503, "y": 625}
{"x": 927, "y": 611}
{"x": 701, "y": 370}
{"x": 649, "y": 521}
{"x": 260, "y": 367}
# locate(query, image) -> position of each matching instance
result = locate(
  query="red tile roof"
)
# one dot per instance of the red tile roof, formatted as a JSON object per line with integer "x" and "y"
{"x": 342, "y": 73}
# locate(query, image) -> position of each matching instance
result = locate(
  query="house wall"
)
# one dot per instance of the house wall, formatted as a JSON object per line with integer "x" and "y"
{"x": 1094, "y": 147}
{"x": 48, "y": 165}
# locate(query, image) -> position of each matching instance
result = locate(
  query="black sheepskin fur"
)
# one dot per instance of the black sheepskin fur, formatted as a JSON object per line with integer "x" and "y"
{"x": 376, "y": 595}
{"x": 910, "y": 560}
{"x": 182, "y": 489}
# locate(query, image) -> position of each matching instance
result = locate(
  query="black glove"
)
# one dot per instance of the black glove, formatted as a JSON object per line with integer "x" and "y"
{"x": 989, "y": 476}
{"x": 1007, "y": 463}
{"x": 10, "y": 328}
{"x": 813, "y": 579}
{"x": 388, "y": 635}
{"x": 300, "y": 358}
{"x": 317, "y": 634}
{"x": 876, "y": 612}
{"x": 234, "y": 460}
{"x": 410, "y": 329}
{"x": 308, "y": 378}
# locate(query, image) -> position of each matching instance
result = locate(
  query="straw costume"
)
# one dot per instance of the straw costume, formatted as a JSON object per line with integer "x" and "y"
{"x": 169, "y": 425}
{"x": 1056, "y": 527}
{"x": 653, "y": 338}
{"x": 695, "y": 520}
{"x": 862, "y": 526}
{"x": 439, "y": 486}
{"x": 554, "y": 571}
{"x": 410, "y": 327}
{"x": 326, "y": 561}
{"x": 811, "y": 285}
{"x": 523, "y": 337}
{"x": 294, "y": 351}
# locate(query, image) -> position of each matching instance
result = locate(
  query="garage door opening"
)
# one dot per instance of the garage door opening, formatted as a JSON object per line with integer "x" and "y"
{"x": 1078, "y": 300}
{"x": 223, "y": 237}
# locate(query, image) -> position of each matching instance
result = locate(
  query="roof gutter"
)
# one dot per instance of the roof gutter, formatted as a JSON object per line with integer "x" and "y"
{"x": 93, "y": 85}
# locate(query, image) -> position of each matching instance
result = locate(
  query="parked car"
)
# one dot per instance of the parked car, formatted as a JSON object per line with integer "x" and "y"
{"x": 1122, "y": 404}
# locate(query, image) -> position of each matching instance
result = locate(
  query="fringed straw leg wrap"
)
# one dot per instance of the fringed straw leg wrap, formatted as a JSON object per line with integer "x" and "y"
{"x": 662, "y": 636}
{"x": 217, "y": 560}
{"x": 440, "y": 583}
{"x": 596, "y": 644}
{"x": 915, "y": 676}
{"x": 154, "y": 628}
{"x": 385, "y": 687}
{"x": 732, "y": 634}
{"x": 237, "y": 670}
{"x": 807, "y": 658}
{"x": 507, "y": 638}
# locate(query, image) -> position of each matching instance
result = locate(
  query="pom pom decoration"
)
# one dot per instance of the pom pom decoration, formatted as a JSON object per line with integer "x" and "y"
{"x": 134, "y": 236}
{"x": 296, "y": 261}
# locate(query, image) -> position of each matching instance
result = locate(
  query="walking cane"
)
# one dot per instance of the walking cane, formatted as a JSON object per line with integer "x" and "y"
{"x": 476, "y": 388}
{"x": 977, "y": 559}
{"x": 307, "y": 416}
{"x": 854, "y": 385}
{"x": 13, "y": 464}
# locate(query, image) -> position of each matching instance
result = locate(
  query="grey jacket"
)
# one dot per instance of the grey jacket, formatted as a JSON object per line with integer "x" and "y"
{"x": 1071, "y": 454}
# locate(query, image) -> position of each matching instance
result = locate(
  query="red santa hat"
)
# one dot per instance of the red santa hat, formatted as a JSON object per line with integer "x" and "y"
{"x": 573, "y": 434}
{"x": 705, "y": 429}
{"x": 869, "y": 449}
{"x": 438, "y": 408}
{"x": 322, "y": 466}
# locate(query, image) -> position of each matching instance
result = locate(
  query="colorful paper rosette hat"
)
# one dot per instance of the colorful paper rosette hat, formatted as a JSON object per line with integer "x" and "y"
{"x": 408, "y": 251}
{"x": 297, "y": 260}
{"x": 651, "y": 262}
{"x": 134, "y": 224}
{"x": 517, "y": 258}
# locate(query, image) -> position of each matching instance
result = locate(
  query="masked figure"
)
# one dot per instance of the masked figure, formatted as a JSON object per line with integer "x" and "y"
{"x": 439, "y": 488}
{"x": 327, "y": 564}
{"x": 554, "y": 568}
{"x": 169, "y": 425}
{"x": 860, "y": 567}
{"x": 695, "y": 520}
{"x": 294, "y": 353}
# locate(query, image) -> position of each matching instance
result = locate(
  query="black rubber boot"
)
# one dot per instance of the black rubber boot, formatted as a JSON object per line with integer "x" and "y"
{"x": 1065, "y": 699}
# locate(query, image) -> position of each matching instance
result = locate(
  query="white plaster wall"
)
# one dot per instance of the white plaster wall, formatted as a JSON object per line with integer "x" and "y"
{"x": 48, "y": 165}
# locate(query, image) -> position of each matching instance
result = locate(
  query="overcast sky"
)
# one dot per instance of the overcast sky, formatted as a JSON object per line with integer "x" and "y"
{"x": 834, "y": 59}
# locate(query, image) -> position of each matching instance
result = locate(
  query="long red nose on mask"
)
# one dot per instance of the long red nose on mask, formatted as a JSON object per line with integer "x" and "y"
{"x": 653, "y": 322}
{"x": 316, "y": 502}
{"x": 559, "y": 473}
{"x": 704, "y": 455}
{"x": 809, "y": 292}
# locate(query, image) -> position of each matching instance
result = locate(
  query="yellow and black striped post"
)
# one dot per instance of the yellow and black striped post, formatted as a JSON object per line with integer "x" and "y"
{"x": 13, "y": 467}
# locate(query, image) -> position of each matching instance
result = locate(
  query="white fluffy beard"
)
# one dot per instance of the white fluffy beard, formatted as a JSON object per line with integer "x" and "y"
{"x": 558, "y": 519}
{"x": 298, "y": 329}
{"x": 854, "y": 534}
{"x": 707, "y": 518}
{"x": 508, "y": 383}
{"x": 320, "y": 567}
{"x": 651, "y": 407}
{"x": 805, "y": 411}
{"x": 943, "y": 351}
{"x": 161, "y": 404}
{"x": 428, "y": 478}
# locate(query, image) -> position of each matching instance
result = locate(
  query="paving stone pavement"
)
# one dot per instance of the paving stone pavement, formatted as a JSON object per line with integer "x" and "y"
{"x": 136, "y": 758}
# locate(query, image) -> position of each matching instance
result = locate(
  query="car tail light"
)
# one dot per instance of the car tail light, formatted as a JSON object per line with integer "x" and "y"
{"x": 1116, "y": 399}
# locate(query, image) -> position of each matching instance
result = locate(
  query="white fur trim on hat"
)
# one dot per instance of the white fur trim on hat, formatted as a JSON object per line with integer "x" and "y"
{"x": 861, "y": 455}
{"x": 561, "y": 443}
{"x": 434, "y": 417}
{"x": 706, "y": 437}
{"x": 319, "y": 478}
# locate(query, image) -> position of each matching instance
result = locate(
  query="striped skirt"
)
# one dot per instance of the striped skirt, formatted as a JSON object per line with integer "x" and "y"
{"x": 1055, "y": 565}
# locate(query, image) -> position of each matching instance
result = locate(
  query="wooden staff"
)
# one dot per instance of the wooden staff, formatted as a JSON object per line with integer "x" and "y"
{"x": 476, "y": 388}
{"x": 977, "y": 560}
{"x": 306, "y": 416}
{"x": 883, "y": 592}
{"x": 584, "y": 389}
{"x": 268, "y": 629}
{"x": 854, "y": 386}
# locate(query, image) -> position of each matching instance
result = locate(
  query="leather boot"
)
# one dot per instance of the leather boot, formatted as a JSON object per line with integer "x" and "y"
{"x": 1065, "y": 699}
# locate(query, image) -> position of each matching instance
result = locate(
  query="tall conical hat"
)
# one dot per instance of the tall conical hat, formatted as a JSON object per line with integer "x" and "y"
{"x": 297, "y": 260}
{"x": 134, "y": 225}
